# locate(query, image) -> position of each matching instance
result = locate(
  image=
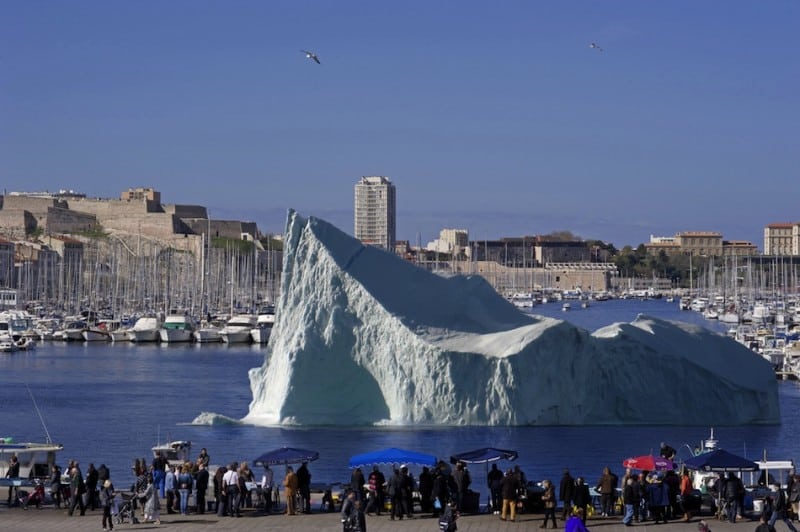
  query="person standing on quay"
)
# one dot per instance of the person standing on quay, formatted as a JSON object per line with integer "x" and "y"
{"x": 267, "y": 483}
{"x": 304, "y": 486}
{"x": 76, "y": 490}
{"x": 107, "y": 495}
{"x": 185, "y": 488}
{"x": 55, "y": 485}
{"x": 607, "y": 487}
{"x": 152, "y": 506}
{"x": 219, "y": 492}
{"x": 509, "y": 487}
{"x": 493, "y": 480}
{"x": 160, "y": 465}
{"x": 13, "y": 472}
{"x": 566, "y": 493}
{"x": 92, "y": 478}
{"x": 582, "y": 498}
{"x": 425, "y": 485}
{"x": 629, "y": 495}
{"x": 230, "y": 484}
{"x": 201, "y": 485}
{"x": 463, "y": 481}
{"x": 290, "y": 491}
{"x": 357, "y": 483}
{"x": 170, "y": 488}
{"x": 549, "y": 499}
{"x": 376, "y": 483}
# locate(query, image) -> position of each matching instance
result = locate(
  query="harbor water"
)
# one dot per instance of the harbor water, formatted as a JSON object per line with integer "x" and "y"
{"x": 111, "y": 403}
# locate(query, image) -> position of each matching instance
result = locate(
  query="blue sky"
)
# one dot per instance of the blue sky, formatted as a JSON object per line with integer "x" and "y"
{"x": 496, "y": 117}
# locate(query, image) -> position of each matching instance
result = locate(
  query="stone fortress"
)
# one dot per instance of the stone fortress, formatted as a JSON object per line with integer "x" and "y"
{"x": 137, "y": 213}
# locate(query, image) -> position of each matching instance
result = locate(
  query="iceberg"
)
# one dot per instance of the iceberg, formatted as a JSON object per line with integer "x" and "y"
{"x": 362, "y": 336}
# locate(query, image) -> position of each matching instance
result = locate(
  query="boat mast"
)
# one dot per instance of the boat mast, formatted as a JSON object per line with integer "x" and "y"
{"x": 39, "y": 413}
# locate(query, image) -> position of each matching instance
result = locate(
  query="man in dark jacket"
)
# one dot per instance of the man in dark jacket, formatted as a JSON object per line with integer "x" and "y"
{"x": 582, "y": 497}
{"x": 566, "y": 493}
{"x": 76, "y": 490}
{"x": 779, "y": 507}
{"x": 201, "y": 485}
{"x": 304, "y": 487}
{"x": 509, "y": 487}
{"x": 395, "y": 489}
{"x": 730, "y": 491}
{"x": 92, "y": 478}
{"x": 12, "y": 472}
{"x": 493, "y": 480}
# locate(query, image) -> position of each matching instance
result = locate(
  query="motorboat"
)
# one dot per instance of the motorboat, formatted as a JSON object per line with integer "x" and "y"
{"x": 7, "y": 344}
{"x": 209, "y": 334}
{"x": 95, "y": 334}
{"x": 264, "y": 322}
{"x": 15, "y": 323}
{"x": 237, "y": 329}
{"x": 73, "y": 330}
{"x": 176, "y": 328}
{"x": 35, "y": 459}
{"x": 146, "y": 329}
{"x": 176, "y": 452}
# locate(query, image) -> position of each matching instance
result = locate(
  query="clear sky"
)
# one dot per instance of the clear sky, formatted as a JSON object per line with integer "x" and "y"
{"x": 497, "y": 117}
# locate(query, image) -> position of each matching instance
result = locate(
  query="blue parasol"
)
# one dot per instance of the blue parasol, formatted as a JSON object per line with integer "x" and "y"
{"x": 286, "y": 455}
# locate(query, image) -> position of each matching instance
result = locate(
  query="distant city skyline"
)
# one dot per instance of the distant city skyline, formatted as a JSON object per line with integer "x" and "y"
{"x": 502, "y": 119}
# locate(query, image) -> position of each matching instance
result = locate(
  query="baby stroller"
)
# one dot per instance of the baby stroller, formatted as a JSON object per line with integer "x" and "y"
{"x": 127, "y": 509}
{"x": 37, "y": 497}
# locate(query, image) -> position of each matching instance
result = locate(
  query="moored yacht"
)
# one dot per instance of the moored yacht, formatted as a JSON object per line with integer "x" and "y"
{"x": 208, "y": 334}
{"x": 264, "y": 322}
{"x": 176, "y": 328}
{"x": 238, "y": 328}
{"x": 145, "y": 329}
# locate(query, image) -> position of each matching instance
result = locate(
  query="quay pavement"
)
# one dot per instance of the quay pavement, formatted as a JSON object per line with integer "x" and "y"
{"x": 49, "y": 518}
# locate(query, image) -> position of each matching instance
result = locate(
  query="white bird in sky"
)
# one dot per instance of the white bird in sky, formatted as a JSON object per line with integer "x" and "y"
{"x": 311, "y": 55}
{"x": 595, "y": 46}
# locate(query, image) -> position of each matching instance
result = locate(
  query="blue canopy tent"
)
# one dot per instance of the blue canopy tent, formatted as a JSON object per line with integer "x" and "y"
{"x": 720, "y": 460}
{"x": 392, "y": 455}
{"x": 286, "y": 455}
{"x": 484, "y": 455}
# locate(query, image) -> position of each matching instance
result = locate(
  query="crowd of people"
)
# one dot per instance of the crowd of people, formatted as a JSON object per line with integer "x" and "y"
{"x": 442, "y": 491}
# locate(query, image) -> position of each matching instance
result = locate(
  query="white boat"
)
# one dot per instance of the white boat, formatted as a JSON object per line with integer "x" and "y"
{"x": 73, "y": 330}
{"x": 95, "y": 334}
{"x": 176, "y": 328}
{"x": 120, "y": 335}
{"x": 207, "y": 335}
{"x": 565, "y": 307}
{"x": 35, "y": 459}
{"x": 15, "y": 323}
{"x": 264, "y": 322}
{"x": 522, "y": 300}
{"x": 238, "y": 328}
{"x": 7, "y": 345}
{"x": 176, "y": 452}
{"x": 146, "y": 329}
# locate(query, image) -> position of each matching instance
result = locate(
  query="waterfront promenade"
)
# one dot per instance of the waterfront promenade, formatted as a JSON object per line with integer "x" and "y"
{"x": 19, "y": 520}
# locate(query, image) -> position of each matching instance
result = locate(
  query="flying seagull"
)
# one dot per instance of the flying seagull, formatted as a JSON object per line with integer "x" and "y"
{"x": 595, "y": 46}
{"x": 311, "y": 55}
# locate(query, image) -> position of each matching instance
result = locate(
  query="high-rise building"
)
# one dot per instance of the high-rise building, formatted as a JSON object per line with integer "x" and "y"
{"x": 375, "y": 212}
